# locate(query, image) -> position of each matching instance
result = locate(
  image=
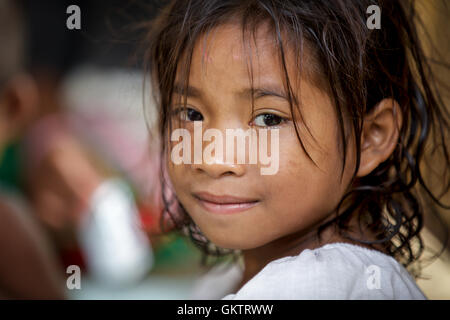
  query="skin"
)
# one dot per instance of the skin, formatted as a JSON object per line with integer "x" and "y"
{"x": 293, "y": 202}
{"x": 29, "y": 269}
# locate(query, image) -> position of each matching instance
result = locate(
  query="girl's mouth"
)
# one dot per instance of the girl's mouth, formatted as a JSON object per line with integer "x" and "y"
{"x": 224, "y": 204}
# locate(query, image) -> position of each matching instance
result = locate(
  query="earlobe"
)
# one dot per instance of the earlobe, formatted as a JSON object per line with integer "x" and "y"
{"x": 379, "y": 136}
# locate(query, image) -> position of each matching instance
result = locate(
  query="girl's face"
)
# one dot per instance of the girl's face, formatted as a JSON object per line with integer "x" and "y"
{"x": 300, "y": 194}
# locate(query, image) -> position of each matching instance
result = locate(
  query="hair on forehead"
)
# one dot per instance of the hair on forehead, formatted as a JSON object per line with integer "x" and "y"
{"x": 300, "y": 53}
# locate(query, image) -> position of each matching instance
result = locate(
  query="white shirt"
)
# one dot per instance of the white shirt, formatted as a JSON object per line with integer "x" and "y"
{"x": 333, "y": 271}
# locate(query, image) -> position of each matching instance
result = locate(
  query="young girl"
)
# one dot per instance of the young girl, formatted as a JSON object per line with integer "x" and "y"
{"x": 353, "y": 109}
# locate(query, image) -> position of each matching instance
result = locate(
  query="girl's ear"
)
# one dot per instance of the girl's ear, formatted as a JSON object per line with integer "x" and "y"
{"x": 379, "y": 137}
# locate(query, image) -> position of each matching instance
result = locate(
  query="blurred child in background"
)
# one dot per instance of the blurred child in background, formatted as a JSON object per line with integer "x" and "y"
{"x": 79, "y": 190}
{"x": 28, "y": 268}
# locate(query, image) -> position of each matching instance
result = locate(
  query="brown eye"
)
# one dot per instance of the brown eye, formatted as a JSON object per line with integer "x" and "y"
{"x": 268, "y": 120}
{"x": 189, "y": 114}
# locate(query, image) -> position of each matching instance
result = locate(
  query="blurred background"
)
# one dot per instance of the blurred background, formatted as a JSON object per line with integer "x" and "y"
{"x": 74, "y": 145}
{"x": 77, "y": 162}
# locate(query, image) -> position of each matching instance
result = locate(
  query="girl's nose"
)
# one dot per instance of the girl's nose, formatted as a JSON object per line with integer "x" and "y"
{"x": 218, "y": 168}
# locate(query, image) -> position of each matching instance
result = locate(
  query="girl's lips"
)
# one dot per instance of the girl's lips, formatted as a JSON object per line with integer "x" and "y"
{"x": 224, "y": 204}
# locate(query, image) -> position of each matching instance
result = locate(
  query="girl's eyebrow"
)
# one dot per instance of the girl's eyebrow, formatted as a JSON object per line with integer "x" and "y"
{"x": 194, "y": 92}
{"x": 263, "y": 92}
{"x": 190, "y": 91}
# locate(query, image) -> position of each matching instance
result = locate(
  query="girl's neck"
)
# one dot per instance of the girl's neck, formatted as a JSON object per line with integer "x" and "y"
{"x": 292, "y": 245}
{"x": 256, "y": 259}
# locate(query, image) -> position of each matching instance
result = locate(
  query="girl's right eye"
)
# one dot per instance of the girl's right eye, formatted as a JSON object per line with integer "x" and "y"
{"x": 188, "y": 114}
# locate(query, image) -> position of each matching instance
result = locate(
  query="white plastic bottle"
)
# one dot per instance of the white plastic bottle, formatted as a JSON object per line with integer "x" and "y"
{"x": 116, "y": 249}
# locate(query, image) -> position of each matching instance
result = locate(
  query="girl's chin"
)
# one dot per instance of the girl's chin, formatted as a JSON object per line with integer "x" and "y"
{"x": 235, "y": 243}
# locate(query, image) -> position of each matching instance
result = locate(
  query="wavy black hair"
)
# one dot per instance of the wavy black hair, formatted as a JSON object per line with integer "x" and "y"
{"x": 360, "y": 67}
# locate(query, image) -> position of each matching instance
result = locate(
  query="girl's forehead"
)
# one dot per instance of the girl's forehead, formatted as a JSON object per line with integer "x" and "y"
{"x": 256, "y": 54}
{"x": 220, "y": 70}
{"x": 229, "y": 39}
{"x": 226, "y": 46}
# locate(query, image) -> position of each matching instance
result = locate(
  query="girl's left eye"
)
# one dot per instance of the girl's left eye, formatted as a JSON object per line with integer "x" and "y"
{"x": 268, "y": 120}
{"x": 188, "y": 114}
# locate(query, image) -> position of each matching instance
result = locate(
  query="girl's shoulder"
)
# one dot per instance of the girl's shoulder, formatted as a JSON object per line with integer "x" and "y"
{"x": 333, "y": 271}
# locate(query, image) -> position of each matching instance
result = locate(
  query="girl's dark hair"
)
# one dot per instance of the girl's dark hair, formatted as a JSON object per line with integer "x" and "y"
{"x": 360, "y": 67}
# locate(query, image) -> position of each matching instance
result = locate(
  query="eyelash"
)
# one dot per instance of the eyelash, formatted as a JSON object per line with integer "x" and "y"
{"x": 281, "y": 119}
{"x": 185, "y": 112}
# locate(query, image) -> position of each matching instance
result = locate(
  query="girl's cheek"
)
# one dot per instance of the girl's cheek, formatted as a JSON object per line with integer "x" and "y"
{"x": 291, "y": 154}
